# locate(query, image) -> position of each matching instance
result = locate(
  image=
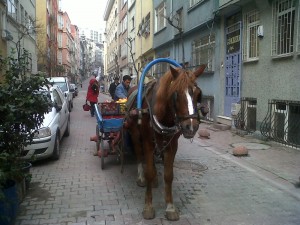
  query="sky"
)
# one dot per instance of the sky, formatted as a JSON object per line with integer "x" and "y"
{"x": 86, "y": 13}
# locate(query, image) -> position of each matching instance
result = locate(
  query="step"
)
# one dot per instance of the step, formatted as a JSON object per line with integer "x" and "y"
{"x": 224, "y": 120}
{"x": 220, "y": 126}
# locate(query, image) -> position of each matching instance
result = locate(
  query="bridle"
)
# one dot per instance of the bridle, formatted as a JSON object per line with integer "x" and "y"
{"x": 169, "y": 131}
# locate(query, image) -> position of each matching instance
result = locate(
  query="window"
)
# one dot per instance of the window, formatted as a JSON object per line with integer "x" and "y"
{"x": 57, "y": 98}
{"x": 162, "y": 68}
{"x": 59, "y": 57}
{"x": 194, "y": 2}
{"x": 146, "y": 30}
{"x": 203, "y": 52}
{"x": 132, "y": 23}
{"x": 59, "y": 40}
{"x": 12, "y": 8}
{"x": 283, "y": 27}
{"x": 60, "y": 22}
{"x": 123, "y": 2}
{"x": 123, "y": 51}
{"x": 160, "y": 13}
{"x": 179, "y": 19}
{"x": 28, "y": 62}
{"x": 23, "y": 19}
{"x": 123, "y": 26}
{"x": 250, "y": 43}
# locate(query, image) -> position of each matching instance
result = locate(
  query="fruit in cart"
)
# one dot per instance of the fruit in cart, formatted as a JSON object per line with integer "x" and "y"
{"x": 122, "y": 100}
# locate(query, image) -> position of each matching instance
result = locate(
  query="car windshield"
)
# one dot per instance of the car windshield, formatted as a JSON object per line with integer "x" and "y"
{"x": 62, "y": 85}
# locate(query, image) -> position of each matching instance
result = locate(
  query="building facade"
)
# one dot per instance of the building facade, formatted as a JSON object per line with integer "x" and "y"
{"x": 20, "y": 32}
{"x": 47, "y": 46}
{"x": 251, "y": 49}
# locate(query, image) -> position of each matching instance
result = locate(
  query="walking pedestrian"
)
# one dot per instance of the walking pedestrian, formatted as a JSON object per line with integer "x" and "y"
{"x": 92, "y": 94}
{"x": 113, "y": 86}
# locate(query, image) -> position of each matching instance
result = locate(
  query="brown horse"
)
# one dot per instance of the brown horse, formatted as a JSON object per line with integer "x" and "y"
{"x": 169, "y": 109}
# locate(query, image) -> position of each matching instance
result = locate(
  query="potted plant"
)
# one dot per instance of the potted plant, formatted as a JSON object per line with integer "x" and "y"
{"x": 22, "y": 110}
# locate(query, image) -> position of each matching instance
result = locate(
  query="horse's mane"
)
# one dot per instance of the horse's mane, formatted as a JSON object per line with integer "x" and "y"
{"x": 167, "y": 86}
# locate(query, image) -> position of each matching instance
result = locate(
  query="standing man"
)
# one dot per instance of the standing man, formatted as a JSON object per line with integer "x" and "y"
{"x": 122, "y": 88}
{"x": 112, "y": 87}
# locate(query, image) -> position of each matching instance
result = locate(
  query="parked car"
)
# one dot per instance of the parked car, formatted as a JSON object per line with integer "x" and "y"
{"x": 64, "y": 84}
{"x": 56, "y": 124}
{"x": 74, "y": 87}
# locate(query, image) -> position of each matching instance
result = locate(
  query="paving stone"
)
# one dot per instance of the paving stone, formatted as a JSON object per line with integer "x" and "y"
{"x": 258, "y": 189}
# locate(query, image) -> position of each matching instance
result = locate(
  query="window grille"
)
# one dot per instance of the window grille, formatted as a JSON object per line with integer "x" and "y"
{"x": 282, "y": 122}
{"x": 209, "y": 102}
{"x": 283, "y": 27}
{"x": 204, "y": 51}
{"x": 246, "y": 116}
{"x": 250, "y": 44}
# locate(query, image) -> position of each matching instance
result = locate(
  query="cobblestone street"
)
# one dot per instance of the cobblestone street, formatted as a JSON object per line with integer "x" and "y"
{"x": 211, "y": 186}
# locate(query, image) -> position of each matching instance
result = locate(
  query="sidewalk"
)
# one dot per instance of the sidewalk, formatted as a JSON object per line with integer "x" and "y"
{"x": 278, "y": 163}
{"x": 210, "y": 186}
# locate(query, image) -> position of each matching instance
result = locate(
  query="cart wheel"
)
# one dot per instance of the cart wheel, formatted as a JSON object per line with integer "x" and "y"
{"x": 98, "y": 138}
{"x": 121, "y": 150}
{"x": 102, "y": 153}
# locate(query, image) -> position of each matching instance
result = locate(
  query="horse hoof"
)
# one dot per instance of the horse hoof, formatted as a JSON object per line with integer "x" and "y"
{"x": 141, "y": 183}
{"x": 172, "y": 214}
{"x": 148, "y": 213}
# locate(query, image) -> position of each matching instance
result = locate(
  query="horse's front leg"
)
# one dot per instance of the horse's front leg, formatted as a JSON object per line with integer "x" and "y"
{"x": 137, "y": 145}
{"x": 150, "y": 174}
{"x": 169, "y": 155}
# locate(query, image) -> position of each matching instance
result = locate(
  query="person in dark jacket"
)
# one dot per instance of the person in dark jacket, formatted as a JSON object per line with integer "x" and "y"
{"x": 112, "y": 87}
{"x": 92, "y": 94}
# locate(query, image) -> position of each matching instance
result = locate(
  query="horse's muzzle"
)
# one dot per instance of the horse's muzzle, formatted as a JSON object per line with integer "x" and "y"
{"x": 189, "y": 128}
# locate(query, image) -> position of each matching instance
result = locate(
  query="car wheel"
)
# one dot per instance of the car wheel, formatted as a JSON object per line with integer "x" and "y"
{"x": 56, "y": 150}
{"x": 67, "y": 131}
{"x": 70, "y": 107}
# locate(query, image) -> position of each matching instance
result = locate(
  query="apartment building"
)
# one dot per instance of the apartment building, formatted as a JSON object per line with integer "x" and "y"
{"x": 65, "y": 43}
{"x": 5, "y": 35}
{"x": 111, "y": 38}
{"x": 47, "y": 46}
{"x": 19, "y": 31}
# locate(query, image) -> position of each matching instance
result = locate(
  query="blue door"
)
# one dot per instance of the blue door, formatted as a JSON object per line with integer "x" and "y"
{"x": 232, "y": 66}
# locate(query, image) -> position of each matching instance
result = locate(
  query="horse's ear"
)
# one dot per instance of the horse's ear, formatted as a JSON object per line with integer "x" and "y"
{"x": 174, "y": 72}
{"x": 200, "y": 70}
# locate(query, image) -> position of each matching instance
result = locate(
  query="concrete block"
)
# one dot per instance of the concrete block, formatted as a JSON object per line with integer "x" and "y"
{"x": 240, "y": 151}
{"x": 203, "y": 133}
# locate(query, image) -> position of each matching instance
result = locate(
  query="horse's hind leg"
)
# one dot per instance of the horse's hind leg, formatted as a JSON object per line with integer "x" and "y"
{"x": 150, "y": 174}
{"x": 171, "y": 211}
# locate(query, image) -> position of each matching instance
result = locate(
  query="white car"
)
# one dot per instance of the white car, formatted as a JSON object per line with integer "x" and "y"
{"x": 56, "y": 124}
{"x": 64, "y": 84}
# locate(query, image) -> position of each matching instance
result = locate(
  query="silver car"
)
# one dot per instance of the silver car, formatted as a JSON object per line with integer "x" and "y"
{"x": 56, "y": 124}
{"x": 64, "y": 84}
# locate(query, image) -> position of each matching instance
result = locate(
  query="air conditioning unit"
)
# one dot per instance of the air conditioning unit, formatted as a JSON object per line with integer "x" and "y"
{"x": 6, "y": 35}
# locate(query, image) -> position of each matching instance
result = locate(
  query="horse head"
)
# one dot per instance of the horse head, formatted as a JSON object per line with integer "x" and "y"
{"x": 177, "y": 98}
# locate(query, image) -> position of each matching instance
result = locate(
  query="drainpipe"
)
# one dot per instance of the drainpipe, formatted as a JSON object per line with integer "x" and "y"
{"x": 174, "y": 47}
